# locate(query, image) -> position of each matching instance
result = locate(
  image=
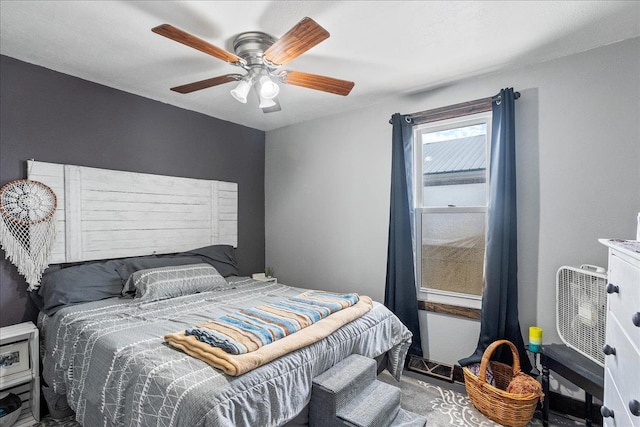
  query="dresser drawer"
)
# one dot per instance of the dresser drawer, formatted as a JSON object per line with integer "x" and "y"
{"x": 614, "y": 402}
{"x": 626, "y": 302}
{"x": 624, "y": 365}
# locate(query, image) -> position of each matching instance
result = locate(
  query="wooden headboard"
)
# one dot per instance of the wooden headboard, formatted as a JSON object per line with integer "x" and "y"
{"x": 113, "y": 214}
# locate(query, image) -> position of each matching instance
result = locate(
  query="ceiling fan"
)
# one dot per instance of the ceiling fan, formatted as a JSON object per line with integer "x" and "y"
{"x": 261, "y": 56}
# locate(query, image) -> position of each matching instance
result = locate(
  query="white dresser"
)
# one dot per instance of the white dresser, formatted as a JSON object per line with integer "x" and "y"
{"x": 621, "y": 406}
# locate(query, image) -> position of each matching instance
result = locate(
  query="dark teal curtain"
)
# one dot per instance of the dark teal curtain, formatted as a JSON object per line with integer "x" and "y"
{"x": 400, "y": 288}
{"x": 499, "y": 318}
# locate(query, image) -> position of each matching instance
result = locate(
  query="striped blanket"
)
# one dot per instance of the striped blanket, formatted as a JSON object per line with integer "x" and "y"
{"x": 238, "y": 364}
{"x": 248, "y": 330}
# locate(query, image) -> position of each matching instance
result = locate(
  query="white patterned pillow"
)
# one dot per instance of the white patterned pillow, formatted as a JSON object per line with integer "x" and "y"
{"x": 168, "y": 282}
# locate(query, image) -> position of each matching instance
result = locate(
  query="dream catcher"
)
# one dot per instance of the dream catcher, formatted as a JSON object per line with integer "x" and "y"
{"x": 27, "y": 227}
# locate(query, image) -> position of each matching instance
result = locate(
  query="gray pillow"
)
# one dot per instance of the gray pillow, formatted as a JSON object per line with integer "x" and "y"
{"x": 78, "y": 284}
{"x": 99, "y": 280}
{"x": 131, "y": 265}
{"x": 161, "y": 283}
{"x": 222, "y": 257}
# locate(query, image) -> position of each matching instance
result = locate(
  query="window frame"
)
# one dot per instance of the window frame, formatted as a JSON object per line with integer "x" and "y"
{"x": 436, "y": 295}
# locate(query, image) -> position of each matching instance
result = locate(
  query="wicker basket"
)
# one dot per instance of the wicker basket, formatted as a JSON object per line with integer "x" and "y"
{"x": 495, "y": 403}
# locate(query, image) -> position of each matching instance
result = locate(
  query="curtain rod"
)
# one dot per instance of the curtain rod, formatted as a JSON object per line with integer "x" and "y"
{"x": 456, "y": 110}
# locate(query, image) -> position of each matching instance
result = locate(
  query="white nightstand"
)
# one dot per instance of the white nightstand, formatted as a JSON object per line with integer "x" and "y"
{"x": 20, "y": 373}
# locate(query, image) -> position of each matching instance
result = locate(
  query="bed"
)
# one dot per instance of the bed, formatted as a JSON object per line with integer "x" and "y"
{"x": 105, "y": 352}
{"x": 111, "y": 361}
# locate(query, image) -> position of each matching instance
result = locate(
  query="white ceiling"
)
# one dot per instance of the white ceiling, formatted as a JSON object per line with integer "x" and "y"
{"x": 385, "y": 47}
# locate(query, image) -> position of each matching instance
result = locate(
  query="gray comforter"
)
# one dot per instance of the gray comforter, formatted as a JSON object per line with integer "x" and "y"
{"x": 110, "y": 359}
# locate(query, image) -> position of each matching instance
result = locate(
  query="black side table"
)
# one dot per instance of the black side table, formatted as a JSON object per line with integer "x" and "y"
{"x": 575, "y": 367}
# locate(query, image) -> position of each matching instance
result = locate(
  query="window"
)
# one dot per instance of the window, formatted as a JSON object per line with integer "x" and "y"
{"x": 452, "y": 191}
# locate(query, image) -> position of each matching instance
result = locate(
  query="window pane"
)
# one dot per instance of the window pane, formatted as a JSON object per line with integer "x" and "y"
{"x": 454, "y": 163}
{"x": 453, "y": 251}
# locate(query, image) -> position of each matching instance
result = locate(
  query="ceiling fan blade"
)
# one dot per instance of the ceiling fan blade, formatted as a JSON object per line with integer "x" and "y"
{"x": 314, "y": 81}
{"x": 203, "y": 84}
{"x": 302, "y": 37}
{"x": 176, "y": 34}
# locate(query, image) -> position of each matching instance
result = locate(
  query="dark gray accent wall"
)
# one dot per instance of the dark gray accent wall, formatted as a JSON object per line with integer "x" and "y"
{"x": 54, "y": 117}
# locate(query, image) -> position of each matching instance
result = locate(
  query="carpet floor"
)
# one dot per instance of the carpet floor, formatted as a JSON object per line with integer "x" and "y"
{"x": 444, "y": 404}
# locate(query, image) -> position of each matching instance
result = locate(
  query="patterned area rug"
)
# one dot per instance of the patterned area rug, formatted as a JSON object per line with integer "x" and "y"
{"x": 64, "y": 422}
{"x": 444, "y": 407}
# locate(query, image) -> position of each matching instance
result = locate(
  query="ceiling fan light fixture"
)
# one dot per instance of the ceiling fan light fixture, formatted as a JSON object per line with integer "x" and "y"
{"x": 267, "y": 88}
{"x": 266, "y": 102}
{"x": 241, "y": 91}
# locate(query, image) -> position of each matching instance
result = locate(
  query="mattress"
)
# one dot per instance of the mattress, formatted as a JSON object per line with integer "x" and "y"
{"x": 111, "y": 361}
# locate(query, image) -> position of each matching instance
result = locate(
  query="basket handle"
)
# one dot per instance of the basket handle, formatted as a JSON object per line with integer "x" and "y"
{"x": 482, "y": 375}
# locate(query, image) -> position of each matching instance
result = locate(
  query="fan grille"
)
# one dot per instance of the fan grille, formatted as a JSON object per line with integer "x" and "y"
{"x": 581, "y": 306}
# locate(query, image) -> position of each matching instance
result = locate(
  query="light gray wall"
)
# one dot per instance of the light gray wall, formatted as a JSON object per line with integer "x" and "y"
{"x": 578, "y": 154}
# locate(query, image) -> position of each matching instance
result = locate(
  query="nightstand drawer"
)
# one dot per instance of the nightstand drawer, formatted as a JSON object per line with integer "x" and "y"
{"x": 14, "y": 358}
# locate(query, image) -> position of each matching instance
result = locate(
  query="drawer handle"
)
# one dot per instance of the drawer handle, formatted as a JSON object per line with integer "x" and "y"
{"x": 636, "y": 318}
{"x": 634, "y": 407}
{"x": 606, "y": 412}
{"x": 612, "y": 289}
{"x": 608, "y": 350}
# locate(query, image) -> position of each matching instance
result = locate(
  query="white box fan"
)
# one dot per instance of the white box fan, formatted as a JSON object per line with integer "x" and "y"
{"x": 581, "y": 309}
